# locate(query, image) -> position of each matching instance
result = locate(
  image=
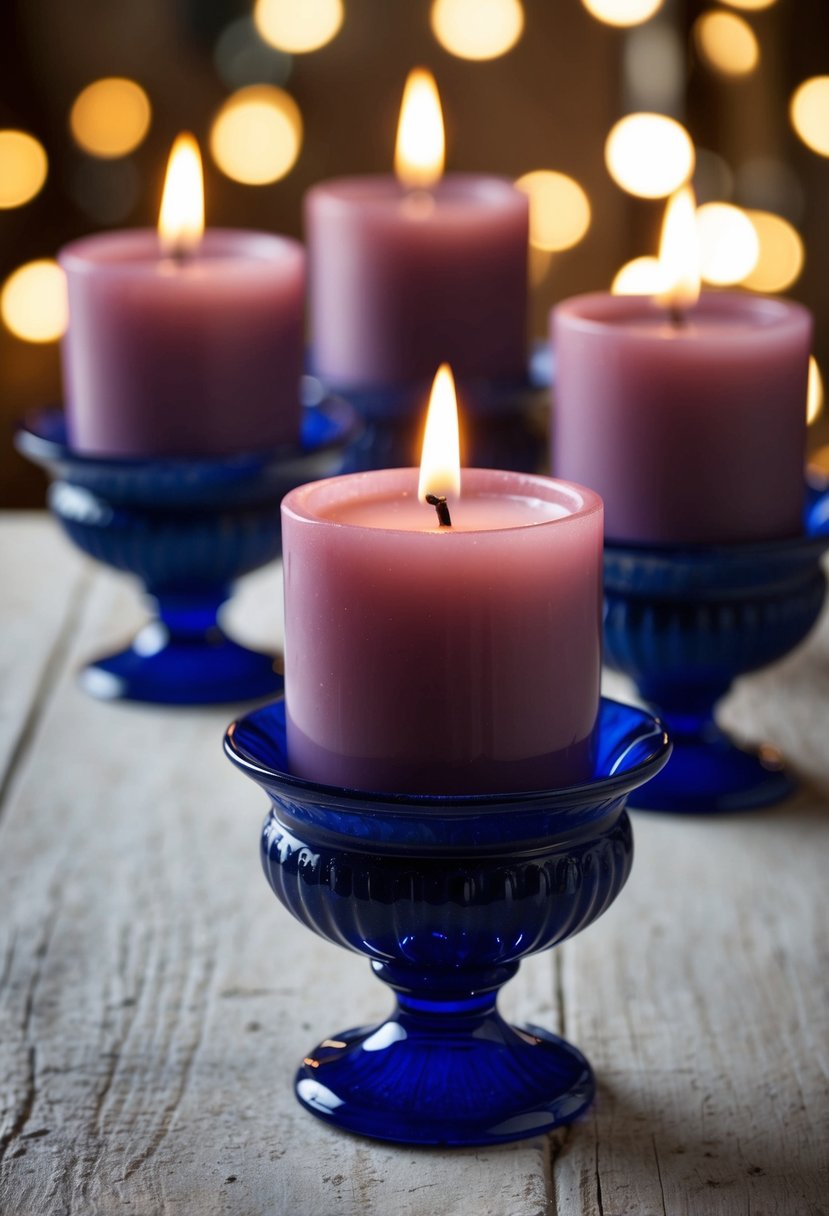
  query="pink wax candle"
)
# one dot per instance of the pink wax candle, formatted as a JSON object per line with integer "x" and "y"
{"x": 408, "y": 272}
{"x": 183, "y": 348}
{"x": 693, "y": 434}
{"x": 689, "y": 419}
{"x": 429, "y": 659}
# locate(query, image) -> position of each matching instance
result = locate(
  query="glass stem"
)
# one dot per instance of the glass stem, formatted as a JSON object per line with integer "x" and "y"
{"x": 422, "y": 999}
{"x": 688, "y": 713}
{"x": 189, "y": 615}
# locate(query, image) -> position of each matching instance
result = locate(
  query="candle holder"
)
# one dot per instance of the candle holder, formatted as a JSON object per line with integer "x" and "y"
{"x": 187, "y": 528}
{"x": 445, "y": 895}
{"x": 507, "y": 421}
{"x": 684, "y": 623}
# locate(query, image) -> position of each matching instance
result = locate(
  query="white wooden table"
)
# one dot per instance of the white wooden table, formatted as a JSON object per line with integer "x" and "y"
{"x": 154, "y": 997}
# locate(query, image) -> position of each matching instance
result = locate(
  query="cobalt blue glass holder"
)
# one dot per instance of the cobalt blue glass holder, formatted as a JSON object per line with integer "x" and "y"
{"x": 445, "y": 895}
{"x": 187, "y": 527}
{"x": 683, "y": 623}
{"x": 506, "y": 421}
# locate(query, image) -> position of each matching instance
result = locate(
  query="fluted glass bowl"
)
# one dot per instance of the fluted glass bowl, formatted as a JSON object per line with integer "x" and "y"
{"x": 187, "y": 528}
{"x": 684, "y": 623}
{"x": 445, "y": 895}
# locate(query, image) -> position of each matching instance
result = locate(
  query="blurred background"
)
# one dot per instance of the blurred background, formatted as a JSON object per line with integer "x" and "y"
{"x": 600, "y": 107}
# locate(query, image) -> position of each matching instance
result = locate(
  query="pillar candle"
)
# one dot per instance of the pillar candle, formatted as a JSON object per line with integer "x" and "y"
{"x": 411, "y": 271}
{"x": 399, "y": 282}
{"x": 183, "y": 342}
{"x": 429, "y": 659}
{"x": 692, "y": 433}
{"x": 194, "y": 357}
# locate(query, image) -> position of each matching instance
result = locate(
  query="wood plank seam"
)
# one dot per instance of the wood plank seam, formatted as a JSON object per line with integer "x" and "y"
{"x": 599, "y": 1202}
{"x": 556, "y": 1140}
{"x": 47, "y": 681}
{"x": 659, "y": 1176}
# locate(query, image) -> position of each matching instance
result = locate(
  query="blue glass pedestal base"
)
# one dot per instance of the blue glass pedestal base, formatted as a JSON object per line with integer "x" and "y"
{"x": 507, "y": 420}
{"x": 683, "y": 624}
{"x": 165, "y": 670}
{"x": 445, "y": 895}
{"x": 399, "y": 1081}
{"x": 709, "y": 774}
{"x": 187, "y": 528}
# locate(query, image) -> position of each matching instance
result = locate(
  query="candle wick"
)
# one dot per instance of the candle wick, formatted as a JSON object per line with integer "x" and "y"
{"x": 678, "y": 317}
{"x": 439, "y": 503}
{"x": 418, "y": 203}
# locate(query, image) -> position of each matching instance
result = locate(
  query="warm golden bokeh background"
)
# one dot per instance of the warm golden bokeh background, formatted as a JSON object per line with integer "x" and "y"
{"x": 92, "y": 95}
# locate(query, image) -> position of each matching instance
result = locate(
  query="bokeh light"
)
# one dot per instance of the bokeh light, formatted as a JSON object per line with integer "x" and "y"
{"x": 750, "y": 6}
{"x": 33, "y": 301}
{"x": 256, "y": 135}
{"x": 726, "y": 43}
{"x": 477, "y": 29}
{"x": 809, "y": 112}
{"x": 781, "y": 255}
{"x": 559, "y": 209}
{"x": 298, "y": 26}
{"x": 639, "y": 277}
{"x": 649, "y": 155}
{"x": 110, "y": 117}
{"x": 728, "y": 244}
{"x": 23, "y": 168}
{"x": 814, "y": 393}
{"x": 622, "y": 12}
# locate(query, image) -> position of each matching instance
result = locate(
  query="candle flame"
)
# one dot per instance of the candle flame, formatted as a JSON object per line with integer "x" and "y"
{"x": 181, "y": 219}
{"x": 440, "y": 463}
{"x": 421, "y": 146}
{"x": 679, "y": 252}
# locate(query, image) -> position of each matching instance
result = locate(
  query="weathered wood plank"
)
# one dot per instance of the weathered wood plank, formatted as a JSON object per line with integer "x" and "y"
{"x": 155, "y": 999}
{"x": 43, "y": 580}
{"x": 702, "y": 998}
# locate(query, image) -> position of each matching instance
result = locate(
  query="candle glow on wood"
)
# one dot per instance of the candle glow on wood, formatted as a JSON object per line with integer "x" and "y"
{"x": 679, "y": 254}
{"x": 421, "y": 146}
{"x": 181, "y": 218}
{"x": 440, "y": 462}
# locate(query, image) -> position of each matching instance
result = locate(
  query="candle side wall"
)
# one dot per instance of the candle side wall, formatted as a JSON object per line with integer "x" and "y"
{"x": 432, "y": 662}
{"x": 193, "y": 359}
{"x": 695, "y": 437}
{"x": 396, "y": 290}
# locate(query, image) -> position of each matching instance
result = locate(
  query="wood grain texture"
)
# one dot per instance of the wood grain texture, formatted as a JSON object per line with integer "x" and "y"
{"x": 154, "y": 998}
{"x": 42, "y": 581}
{"x": 703, "y": 998}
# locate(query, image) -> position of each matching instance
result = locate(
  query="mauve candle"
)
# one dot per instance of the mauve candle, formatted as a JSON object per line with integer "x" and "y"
{"x": 692, "y": 433}
{"x": 406, "y": 274}
{"x": 172, "y": 352}
{"x": 686, "y": 413}
{"x": 428, "y": 659}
